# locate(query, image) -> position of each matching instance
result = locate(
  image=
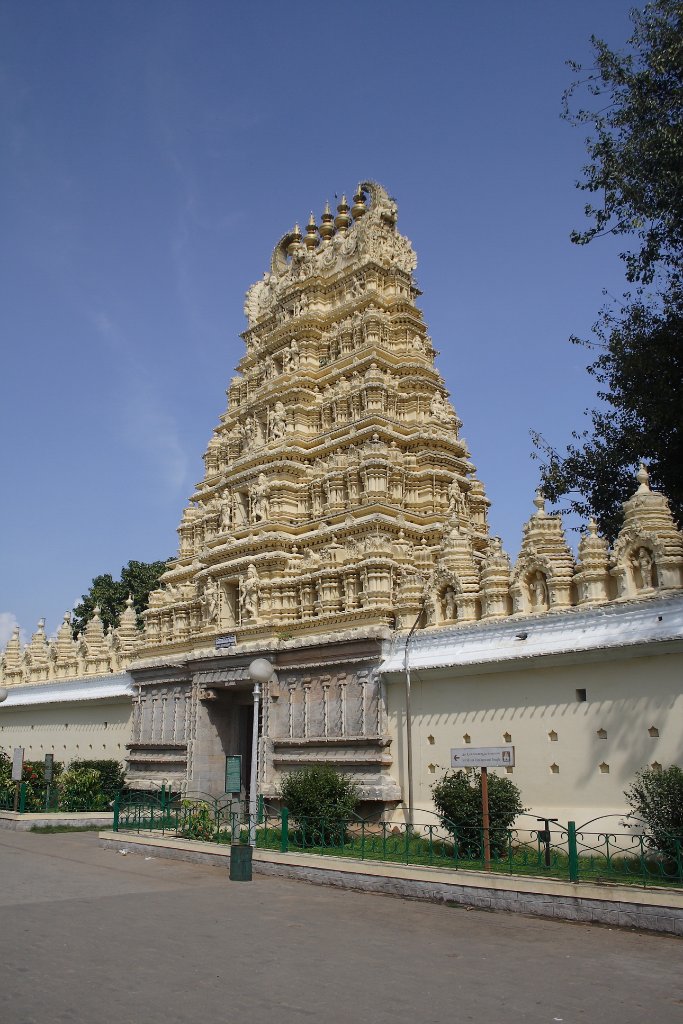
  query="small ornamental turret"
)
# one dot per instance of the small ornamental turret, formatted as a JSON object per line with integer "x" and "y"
{"x": 37, "y": 656}
{"x": 93, "y": 646}
{"x": 127, "y": 632}
{"x": 495, "y": 581}
{"x": 542, "y": 577}
{"x": 592, "y": 577}
{"x": 12, "y": 670}
{"x": 648, "y": 553}
{"x": 64, "y": 652}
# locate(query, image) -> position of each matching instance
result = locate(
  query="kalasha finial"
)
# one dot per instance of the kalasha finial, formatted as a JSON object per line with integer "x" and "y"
{"x": 643, "y": 478}
{"x": 129, "y": 601}
{"x": 67, "y": 618}
{"x": 294, "y": 240}
{"x": 359, "y": 208}
{"x": 592, "y": 527}
{"x": 326, "y": 224}
{"x": 539, "y": 502}
{"x": 342, "y": 221}
{"x": 311, "y": 238}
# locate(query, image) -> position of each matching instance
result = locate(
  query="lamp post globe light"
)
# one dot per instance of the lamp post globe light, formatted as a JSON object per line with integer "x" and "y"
{"x": 3, "y": 694}
{"x": 260, "y": 671}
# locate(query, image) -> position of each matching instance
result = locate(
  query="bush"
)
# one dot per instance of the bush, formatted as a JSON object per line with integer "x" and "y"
{"x": 80, "y": 789}
{"x": 197, "y": 821}
{"x": 34, "y": 777}
{"x": 457, "y": 797}
{"x": 657, "y": 796}
{"x": 5, "y": 770}
{"x": 112, "y": 775}
{"x": 318, "y": 797}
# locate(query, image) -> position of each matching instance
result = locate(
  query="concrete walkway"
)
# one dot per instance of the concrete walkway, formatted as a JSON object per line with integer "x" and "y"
{"x": 89, "y": 936}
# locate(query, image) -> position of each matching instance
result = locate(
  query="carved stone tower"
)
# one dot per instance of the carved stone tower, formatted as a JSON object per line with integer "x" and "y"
{"x": 338, "y": 501}
{"x": 336, "y": 481}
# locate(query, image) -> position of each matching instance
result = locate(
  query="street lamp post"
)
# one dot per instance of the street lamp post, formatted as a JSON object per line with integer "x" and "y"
{"x": 260, "y": 672}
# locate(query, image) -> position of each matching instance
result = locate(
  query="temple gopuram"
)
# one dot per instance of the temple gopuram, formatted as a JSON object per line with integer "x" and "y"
{"x": 338, "y": 512}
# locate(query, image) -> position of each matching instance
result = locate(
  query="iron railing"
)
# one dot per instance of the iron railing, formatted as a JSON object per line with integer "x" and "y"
{"x": 628, "y": 855}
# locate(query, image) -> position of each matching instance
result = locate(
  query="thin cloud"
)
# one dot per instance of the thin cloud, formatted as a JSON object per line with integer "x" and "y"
{"x": 147, "y": 425}
{"x": 8, "y": 621}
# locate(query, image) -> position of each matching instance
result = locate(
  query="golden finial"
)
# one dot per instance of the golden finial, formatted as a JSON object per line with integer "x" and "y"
{"x": 342, "y": 221}
{"x": 311, "y": 239}
{"x": 326, "y": 223}
{"x": 359, "y": 207}
{"x": 294, "y": 240}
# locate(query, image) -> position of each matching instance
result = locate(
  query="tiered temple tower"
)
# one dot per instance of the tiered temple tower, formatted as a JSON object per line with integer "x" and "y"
{"x": 338, "y": 507}
{"x": 336, "y": 482}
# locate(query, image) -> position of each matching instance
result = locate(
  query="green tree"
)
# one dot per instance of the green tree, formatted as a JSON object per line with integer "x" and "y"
{"x": 635, "y": 154}
{"x": 657, "y": 797}
{"x": 137, "y": 579}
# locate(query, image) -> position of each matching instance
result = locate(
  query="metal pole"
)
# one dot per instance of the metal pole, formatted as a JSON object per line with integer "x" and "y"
{"x": 485, "y": 817}
{"x": 253, "y": 775}
{"x": 409, "y": 719}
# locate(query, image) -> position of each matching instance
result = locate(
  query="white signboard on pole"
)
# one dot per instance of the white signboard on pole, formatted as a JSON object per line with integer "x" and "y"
{"x": 17, "y": 764}
{"x": 483, "y": 757}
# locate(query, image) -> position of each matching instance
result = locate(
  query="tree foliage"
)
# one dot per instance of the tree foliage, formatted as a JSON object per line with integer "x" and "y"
{"x": 657, "y": 797}
{"x": 635, "y": 154}
{"x": 137, "y": 579}
{"x": 457, "y": 798}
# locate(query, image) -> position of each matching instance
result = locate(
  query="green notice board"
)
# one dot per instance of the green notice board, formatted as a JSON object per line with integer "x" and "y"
{"x": 233, "y": 773}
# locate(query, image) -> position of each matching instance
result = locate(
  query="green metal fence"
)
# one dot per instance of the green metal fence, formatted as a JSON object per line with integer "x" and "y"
{"x": 47, "y": 798}
{"x": 12, "y": 798}
{"x": 626, "y": 855}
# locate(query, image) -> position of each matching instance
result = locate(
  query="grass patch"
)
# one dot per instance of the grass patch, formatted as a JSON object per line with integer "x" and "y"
{"x": 65, "y": 828}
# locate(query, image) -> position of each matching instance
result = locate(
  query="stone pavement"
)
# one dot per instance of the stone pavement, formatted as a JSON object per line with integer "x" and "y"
{"x": 88, "y": 936}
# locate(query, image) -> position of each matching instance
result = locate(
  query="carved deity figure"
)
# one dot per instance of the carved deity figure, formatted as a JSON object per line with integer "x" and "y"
{"x": 291, "y": 358}
{"x": 269, "y": 367}
{"x": 449, "y": 604}
{"x": 226, "y": 512}
{"x": 538, "y": 591}
{"x": 643, "y": 561}
{"x": 456, "y": 499}
{"x": 249, "y": 588}
{"x": 438, "y": 410}
{"x": 259, "y": 499}
{"x": 209, "y": 601}
{"x": 278, "y": 421}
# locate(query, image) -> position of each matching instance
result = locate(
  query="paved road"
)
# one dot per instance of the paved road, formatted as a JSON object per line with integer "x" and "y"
{"x": 88, "y": 936}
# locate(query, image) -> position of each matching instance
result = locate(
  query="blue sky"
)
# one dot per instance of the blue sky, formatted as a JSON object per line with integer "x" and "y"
{"x": 151, "y": 154}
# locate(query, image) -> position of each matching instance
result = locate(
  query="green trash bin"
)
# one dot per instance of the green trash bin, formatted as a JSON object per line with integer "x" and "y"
{"x": 240, "y": 863}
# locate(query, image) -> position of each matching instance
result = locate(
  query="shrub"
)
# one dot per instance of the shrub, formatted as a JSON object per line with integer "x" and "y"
{"x": 112, "y": 775}
{"x": 318, "y": 797}
{"x": 80, "y": 789}
{"x": 657, "y": 796}
{"x": 34, "y": 777}
{"x": 457, "y": 797}
{"x": 5, "y": 770}
{"x": 197, "y": 821}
